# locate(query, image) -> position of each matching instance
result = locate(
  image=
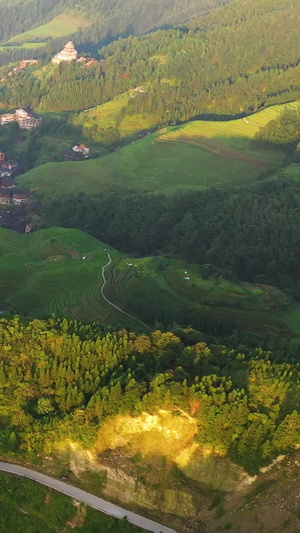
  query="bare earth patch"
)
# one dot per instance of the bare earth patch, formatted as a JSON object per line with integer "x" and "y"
{"x": 74, "y": 254}
{"x": 48, "y": 498}
{"x": 270, "y": 505}
{"x": 78, "y": 519}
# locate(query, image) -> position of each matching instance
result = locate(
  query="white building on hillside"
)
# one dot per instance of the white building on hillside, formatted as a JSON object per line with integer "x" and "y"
{"x": 69, "y": 53}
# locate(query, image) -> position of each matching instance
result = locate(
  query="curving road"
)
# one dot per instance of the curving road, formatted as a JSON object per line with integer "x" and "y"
{"x": 109, "y": 302}
{"x": 86, "y": 497}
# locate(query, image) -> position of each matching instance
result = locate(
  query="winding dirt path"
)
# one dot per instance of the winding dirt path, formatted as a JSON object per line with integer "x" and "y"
{"x": 110, "y": 303}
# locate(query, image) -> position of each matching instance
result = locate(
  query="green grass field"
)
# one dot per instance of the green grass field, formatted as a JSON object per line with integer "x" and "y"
{"x": 25, "y": 45}
{"x": 28, "y": 507}
{"x": 198, "y": 155}
{"x": 59, "y": 271}
{"x": 64, "y": 24}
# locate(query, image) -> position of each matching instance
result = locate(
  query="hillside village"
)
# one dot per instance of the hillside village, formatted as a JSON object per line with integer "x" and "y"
{"x": 27, "y": 119}
{"x": 13, "y": 197}
{"x": 11, "y": 168}
{"x": 24, "y": 116}
{"x": 23, "y": 64}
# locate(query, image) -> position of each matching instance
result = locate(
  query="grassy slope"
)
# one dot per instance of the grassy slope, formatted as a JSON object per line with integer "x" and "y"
{"x": 105, "y": 116}
{"x": 28, "y": 46}
{"x": 159, "y": 284}
{"x": 32, "y": 508}
{"x": 62, "y": 25}
{"x": 200, "y": 154}
{"x": 44, "y": 273}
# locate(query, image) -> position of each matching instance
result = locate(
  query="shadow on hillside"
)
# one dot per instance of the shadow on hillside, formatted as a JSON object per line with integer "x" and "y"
{"x": 92, "y": 47}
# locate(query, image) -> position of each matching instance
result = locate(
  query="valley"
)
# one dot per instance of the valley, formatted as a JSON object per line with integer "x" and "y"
{"x": 149, "y": 266}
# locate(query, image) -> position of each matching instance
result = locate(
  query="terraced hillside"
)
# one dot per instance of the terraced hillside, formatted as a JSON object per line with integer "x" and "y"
{"x": 53, "y": 271}
{"x": 200, "y": 154}
{"x": 107, "y": 116}
{"x": 60, "y": 271}
{"x": 165, "y": 289}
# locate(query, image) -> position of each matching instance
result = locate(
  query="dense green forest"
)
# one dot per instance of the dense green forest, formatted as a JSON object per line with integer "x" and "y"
{"x": 113, "y": 18}
{"x": 21, "y": 16}
{"x": 251, "y": 232}
{"x": 108, "y": 20}
{"x": 67, "y": 379}
{"x": 283, "y": 132}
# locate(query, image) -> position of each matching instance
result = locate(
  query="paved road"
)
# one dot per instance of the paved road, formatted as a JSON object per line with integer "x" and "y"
{"x": 86, "y": 497}
{"x": 109, "y": 302}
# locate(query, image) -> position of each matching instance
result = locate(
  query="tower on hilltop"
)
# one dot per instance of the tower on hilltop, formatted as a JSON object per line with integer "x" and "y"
{"x": 69, "y": 53}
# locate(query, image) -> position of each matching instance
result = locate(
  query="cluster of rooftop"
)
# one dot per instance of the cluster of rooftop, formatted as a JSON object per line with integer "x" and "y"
{"x": 23, "y": 64}
{"x": 9, "y": 170}
{"x": 25, "y": 117}
{"x": 15, "y": 197}
{"x": 77, "y": 153}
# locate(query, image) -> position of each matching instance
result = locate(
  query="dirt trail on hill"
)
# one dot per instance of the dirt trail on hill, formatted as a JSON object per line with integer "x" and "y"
{"x": 113, "y": 305}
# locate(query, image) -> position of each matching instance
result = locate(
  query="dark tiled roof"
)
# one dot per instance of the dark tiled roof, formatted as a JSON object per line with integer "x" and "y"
{"x": 22, "y": 192}
{"x": 5, "y": 217}
{"x": 69, "y": 154}
{"x": 5, "y": 192}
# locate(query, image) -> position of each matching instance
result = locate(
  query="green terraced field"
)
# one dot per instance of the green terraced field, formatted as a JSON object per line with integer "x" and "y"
{"x": 59, "y": 271}
{"x": 105, "y": 116}
{"x": 170, "y": 288}
{"x": 25, "y": 45}
{"x": 64, "y": 24}
{"x": 45, "y": 273}
{"x": 198, "y": 155}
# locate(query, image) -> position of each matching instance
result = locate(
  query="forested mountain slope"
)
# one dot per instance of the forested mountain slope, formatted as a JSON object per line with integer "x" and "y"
{"x": 110, "y": 18}
{"x": 70, "y": 380}
{"x": 227, "y": 63}
{"x": 164, "y": 422}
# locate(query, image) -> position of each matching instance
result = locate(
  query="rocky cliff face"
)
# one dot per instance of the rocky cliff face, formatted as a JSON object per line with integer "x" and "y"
{"x": 152, "y": 464}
